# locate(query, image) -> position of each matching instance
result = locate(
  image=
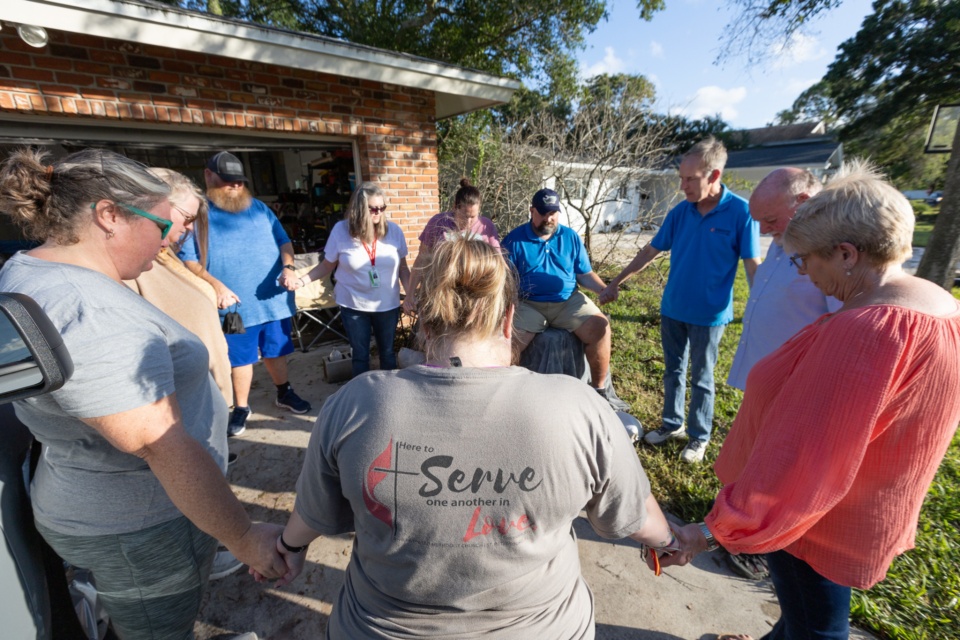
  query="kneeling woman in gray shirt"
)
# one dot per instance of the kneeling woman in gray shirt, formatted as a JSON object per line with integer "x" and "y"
{"x": 130, "y": 484}
{"x": 462, "y": 478}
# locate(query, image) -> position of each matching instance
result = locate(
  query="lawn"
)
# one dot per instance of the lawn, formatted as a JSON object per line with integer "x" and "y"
{"x": 919, "y": 598}
{"x": 924, "y": 227}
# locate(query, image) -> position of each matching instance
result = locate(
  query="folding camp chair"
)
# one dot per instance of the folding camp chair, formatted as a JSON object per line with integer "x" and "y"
{"x": 315, "y": 301}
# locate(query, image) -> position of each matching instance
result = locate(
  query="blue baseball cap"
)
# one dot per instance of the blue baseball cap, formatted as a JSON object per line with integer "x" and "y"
{"x": 545, "y": 201}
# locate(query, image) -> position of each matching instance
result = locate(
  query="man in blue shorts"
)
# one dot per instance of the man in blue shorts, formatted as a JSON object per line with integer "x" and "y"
{"x": 249, "y": 259}
{"x": 551, "y": 261}
{"x": 707, "y": 236}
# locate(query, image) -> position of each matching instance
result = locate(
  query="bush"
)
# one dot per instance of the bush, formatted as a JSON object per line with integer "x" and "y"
{"x": 920, "y": 208}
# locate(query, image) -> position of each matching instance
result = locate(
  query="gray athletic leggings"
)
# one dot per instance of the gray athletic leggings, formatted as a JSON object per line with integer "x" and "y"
{"x": 151, "y": 581}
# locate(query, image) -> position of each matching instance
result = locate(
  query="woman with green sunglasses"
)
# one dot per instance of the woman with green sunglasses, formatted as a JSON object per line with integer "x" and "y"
{"x": 130, "y": 484}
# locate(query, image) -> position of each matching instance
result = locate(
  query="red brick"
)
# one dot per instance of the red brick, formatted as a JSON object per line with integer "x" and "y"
{"x": 22, "y": 102}
{"x": 162, "y": 115}
{"x": 208, "y": 118}
{"x": 91, "y": 67}
{"x": 212, "y": 94}
{"x": 24, "y": 87}
{"x": 124, "y": 111}
{"x": 177, "y": 66}
{"x": 220, "y": 61}
{"x": 194, "y": 81}
{"x": 133, "y": 97}
{"x": 243, "y": 97}
{"x": 264, "y": 78}
{"x": 229, "y": 106}
{"x": 167, "y": 101}
{"x": 159, "y": 52}
{"x": 149, "y": 113}
{"x": 230, "y": 119}
{"x": 219, "y": 119}
{"x": 14, "y": 43}
{"x": 235, "y": 74}
{"x": 208, "y": 70}
{"x": 184, "y": 92}
{"x": 9, "y": 57}
{"x": 161, "y": 76}
{"x": 75, "y": 78}
{"x": 83, "y": 40}
{"x": 174, "y": 115}
{"x": 59, "y": 90}
{"x": 150, "y": 87}
{"x": 143, "y": 62}
{"x": 40, "y": 75}
{"x": 69, "y": 105}
{"x": 111, "y": 110}
{"x": 281, "y": 92}
{"x": 226, "y": 85}
{"x": 66, "y": 51}
{"x": 200, "y": 104}
{"x": 113, "y": 83}
{"x": 316, "y": 86}
{"x": 136, "y": 110}
{"x": 122, "y": 46}
{"x": 38, "y": 103}
{"x": 44, "y": 62}
{"x": 6, "y": 101}
{"x": 52, "y": 104}
{"x": 110, "y": 57}
{"x": 191, "y": 56}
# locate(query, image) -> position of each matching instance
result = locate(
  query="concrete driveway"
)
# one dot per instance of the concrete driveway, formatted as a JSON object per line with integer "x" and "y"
{"x": 695, "y": 602}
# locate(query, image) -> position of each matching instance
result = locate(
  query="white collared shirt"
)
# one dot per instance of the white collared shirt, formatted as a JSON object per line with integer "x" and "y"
{"x": 782, "y": 302}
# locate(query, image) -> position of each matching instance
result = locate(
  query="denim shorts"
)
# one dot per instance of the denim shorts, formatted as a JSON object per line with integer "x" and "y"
{"x": 151, "y": 581}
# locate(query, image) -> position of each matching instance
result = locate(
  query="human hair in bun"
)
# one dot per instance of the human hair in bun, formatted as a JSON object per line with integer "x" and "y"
{"x": 467, "y": 288}
{"x": 52, "y": 202}
{"x": 467, "y": 194}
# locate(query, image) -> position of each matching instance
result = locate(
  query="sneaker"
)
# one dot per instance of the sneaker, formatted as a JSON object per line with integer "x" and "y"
{"x": 292, "y": 401}
{"x": 223, "y": 565}
{"x": 231, "y": 458}
{"x": 749, "y": 566}
{"x": 663, "y": 434}
{"x": 694, "y": 451}
{"x": 238, "y": 421}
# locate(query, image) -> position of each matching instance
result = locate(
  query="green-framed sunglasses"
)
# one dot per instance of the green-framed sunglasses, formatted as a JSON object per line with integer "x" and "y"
{"x": 165, "y": 225}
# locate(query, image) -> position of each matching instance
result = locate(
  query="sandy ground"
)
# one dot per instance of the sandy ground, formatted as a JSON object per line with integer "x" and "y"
{"x": 690, "y": 603}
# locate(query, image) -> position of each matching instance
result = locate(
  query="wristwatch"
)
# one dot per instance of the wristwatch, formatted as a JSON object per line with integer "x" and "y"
{"x": 292, "y": 549}
{"x": 289, "y": 266}
{"x": 711, "y": 541}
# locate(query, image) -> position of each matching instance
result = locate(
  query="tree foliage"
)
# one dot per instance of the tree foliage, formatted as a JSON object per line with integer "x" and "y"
{"x": 813, "y": 105}
{"x": 762, "y": 28}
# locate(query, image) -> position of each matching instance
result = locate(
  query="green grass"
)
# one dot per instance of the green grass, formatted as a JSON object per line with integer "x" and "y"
{"x": 924, "y": 227}
{"x": 919, "y": 598}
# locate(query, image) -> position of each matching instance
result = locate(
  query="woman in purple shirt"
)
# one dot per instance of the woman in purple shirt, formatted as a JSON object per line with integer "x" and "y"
{"x": 465, "y": 219}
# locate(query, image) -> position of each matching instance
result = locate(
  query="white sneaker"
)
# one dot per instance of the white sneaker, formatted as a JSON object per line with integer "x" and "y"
{"x": 693, "y": 452}
{"x": 663, "y": 434}
{"x": 223, "y": 565}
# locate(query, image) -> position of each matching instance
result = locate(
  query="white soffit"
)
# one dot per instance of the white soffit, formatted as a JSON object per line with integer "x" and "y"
{"x": 458, "y": 90}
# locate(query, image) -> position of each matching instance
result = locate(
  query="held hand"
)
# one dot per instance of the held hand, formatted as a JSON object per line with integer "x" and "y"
{"x": 289, "y": 280}
{"x": 692, "y": 542}
{"x": 294, "y": 561}
{"x": 609, "y": 294}
{"x": 225, "y": 297}
{"x": 410, "y": 303}
{"x": 258, "y": 549}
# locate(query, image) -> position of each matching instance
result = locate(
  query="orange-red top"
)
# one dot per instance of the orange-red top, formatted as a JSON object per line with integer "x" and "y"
{"x": 838, "y": 438}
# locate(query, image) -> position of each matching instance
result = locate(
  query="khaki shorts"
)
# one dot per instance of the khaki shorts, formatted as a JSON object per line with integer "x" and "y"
{"x": 536, "y": 316}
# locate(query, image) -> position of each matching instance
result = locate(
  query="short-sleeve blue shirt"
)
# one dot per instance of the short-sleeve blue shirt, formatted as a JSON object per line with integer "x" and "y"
{"x": 704, "y": 253}
{"x": 548, "y": 269}
{"x": 244, "y": 254}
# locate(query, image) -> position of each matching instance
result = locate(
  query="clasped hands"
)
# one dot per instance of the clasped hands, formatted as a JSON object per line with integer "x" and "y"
{"x": 260, "y": 549}
{"x": 691, "y": 542}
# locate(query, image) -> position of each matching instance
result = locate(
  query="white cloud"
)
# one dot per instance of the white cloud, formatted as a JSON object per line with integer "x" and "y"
{"x": 656, "y": 49}
{"x": 797, "y": 48}
{"x": 708, "y": 101}
{"x": 610, "y": 64}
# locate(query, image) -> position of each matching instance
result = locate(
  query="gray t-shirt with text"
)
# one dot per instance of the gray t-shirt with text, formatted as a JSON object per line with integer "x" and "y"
{"x": 126, "y": 354}
{"x": 462, "y": 486}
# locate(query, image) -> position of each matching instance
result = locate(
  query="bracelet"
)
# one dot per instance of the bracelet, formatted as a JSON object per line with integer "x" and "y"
{"x": 292, "y": 549}
{"x": 289, "y": 266}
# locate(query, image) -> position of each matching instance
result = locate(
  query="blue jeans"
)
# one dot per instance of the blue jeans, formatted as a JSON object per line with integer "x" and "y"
{"x": 359, "y": 325}
{"x": 811, "y": 607}
{"x": 704, "y": 344}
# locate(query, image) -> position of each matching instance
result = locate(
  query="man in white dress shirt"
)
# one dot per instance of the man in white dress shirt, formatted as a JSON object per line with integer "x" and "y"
{"x": 781, "y": 303}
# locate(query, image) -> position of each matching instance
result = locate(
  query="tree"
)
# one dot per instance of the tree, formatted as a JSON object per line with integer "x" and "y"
{"x": 902, "y": 63}
{"x": 759, "y": 23}
{"x": 535, "y": 40}
{"x": 813, "y": 105}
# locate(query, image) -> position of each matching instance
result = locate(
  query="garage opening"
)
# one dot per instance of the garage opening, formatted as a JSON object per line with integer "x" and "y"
{"x": 307, "y": 183}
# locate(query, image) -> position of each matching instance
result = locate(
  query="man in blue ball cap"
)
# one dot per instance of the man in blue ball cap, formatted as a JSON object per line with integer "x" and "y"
{"x": 551, "y": 261}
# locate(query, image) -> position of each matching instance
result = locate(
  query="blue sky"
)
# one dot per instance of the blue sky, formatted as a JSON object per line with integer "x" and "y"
{"x": 677, "y": 48}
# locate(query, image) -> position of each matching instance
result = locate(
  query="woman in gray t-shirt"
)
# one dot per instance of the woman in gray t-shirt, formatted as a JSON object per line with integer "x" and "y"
{"x": 462, "y": 478}
{"x": 130, "y": 484}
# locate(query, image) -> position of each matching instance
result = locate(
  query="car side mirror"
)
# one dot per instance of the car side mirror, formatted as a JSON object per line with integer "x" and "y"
{"x": 33, "y": 358}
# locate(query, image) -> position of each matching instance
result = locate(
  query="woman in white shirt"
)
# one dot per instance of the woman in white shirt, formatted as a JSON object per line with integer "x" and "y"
{"x": 371, "y": 255}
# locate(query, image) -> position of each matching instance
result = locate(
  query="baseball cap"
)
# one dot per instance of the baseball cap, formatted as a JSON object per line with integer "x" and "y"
{"x": 546, "y": 200}
{"x": 227, "y": 166}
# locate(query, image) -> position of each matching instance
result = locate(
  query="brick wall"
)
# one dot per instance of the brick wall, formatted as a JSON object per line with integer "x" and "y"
{"x": 81, "y": 76}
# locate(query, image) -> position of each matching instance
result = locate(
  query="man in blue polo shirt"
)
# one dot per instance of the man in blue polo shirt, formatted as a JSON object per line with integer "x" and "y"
{"x": 551, "y": 261}
{"x": 707, "y": 236}
{"x": 249, "y": 258}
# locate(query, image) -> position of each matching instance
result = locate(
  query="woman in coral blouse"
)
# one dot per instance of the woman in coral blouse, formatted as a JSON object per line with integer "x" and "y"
{"x": 842, "y": 429}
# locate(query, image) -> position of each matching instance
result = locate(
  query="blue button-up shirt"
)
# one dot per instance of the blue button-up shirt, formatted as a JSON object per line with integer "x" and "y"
{"x": 548, "y": 268}
{"x": 705, "y": 251}
{"x": 782, "y": 302}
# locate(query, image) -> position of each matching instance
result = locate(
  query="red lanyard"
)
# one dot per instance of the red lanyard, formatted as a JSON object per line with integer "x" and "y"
{"x": 372, "y": 254}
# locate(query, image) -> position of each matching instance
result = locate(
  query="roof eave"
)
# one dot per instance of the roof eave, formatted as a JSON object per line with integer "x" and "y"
{"x": 457, "y": 90}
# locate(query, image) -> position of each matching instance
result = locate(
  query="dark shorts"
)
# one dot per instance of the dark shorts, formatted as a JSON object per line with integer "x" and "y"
{"x": 151, "y": 582}
{"x": 270, "y": 339}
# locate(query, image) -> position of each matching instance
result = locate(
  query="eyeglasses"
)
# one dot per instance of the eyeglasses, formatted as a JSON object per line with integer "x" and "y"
{"x": 378, "y": 209}
{"x": 797, "y": 260}
{"x": 187, "y": 218}
{"x": 164, "y": 225}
